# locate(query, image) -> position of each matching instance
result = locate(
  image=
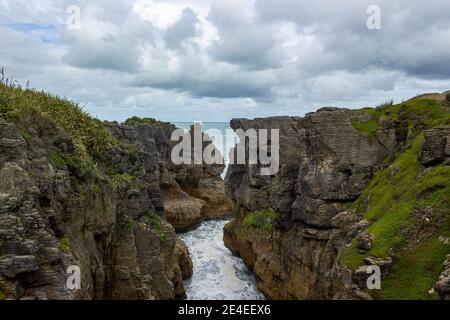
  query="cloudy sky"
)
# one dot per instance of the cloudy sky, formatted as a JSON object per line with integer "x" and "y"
{"x": 211, "y": 60}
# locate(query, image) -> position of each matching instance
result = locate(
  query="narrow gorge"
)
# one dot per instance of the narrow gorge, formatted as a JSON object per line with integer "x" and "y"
{"x": 356, "y": 188}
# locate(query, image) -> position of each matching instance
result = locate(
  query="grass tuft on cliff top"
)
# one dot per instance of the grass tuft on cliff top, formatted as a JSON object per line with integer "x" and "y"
{"x": 138, "y": 120}
{"x": 414, "y": 114}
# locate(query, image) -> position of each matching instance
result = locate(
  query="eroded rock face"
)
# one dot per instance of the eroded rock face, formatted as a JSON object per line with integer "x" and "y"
{"x": 189, "y": 193}
{"x": 436, "y": 147}
{"x": 324, "y": 164}
{"x": 55, "y": 213}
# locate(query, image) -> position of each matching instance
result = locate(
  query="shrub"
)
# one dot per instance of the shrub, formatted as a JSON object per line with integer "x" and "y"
{"x": 65, "y": 245}
{"x": 122, "y": 180}
{"x": 137, "y": 120}
{"x": 261, "y": 220}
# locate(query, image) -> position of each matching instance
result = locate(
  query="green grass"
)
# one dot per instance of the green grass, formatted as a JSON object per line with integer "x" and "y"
{"x": 123, "y": 179}
{"x": 2, "y": 296}
{"x": 137, "y": 120}
{"x": 89, "y": 134}
{"x": 77, "y": 164}
{"x": 261, "y": 220}
{"x": 389, "y": 202}
{"x": 157, "y": 223}
{"x": 64, "y": 244}
{"x": 414, "y": 274}
{"x": 368, "y": 128}
{"x": 415, "y": 114}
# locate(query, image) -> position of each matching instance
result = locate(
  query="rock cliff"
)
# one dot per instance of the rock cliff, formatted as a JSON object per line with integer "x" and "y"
{"x": 99, "y": 196}
{"x": 353, "y": 190}
{"x": 189, "y": 193}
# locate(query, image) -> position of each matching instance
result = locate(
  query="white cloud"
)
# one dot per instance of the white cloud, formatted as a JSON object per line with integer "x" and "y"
{"x": 213, "y": 59}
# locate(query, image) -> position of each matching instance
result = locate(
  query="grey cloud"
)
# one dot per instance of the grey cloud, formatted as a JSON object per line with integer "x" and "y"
{"x": 248, "y": 47}
{"x": 183, "y": 29}
{"x": 215, "y": 85}
{"x": 202, "y": 79}
{"x": 242, "y": 41}
{"x": 412, "y": 38}
{"x": 108, "y": 41}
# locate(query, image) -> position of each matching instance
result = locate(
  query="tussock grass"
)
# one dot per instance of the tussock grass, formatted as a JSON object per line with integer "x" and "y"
{"x": 89, "y": 134}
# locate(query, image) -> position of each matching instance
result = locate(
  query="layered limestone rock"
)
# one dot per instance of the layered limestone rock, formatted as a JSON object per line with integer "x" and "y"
{"x": 293, "y": 229}
{"x": 325, "y": 164}
{"x": 111, "y": 218}
{"x": 190, "y": 193}
{"x": 55, "y": 214}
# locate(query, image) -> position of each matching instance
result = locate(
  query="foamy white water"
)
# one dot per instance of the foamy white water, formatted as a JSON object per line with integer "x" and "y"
{"x": 218, "y": 275}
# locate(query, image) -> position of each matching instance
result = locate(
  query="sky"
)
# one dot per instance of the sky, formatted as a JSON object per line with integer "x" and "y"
{"x": 210, "y": 60}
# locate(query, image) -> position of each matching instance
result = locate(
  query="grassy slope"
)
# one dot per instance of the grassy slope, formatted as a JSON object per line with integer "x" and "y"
{"x": 396, "y": 206}
{"x": 88, "y": 133}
